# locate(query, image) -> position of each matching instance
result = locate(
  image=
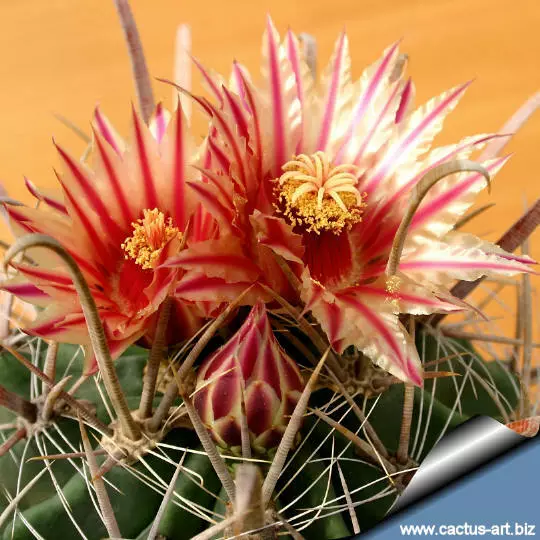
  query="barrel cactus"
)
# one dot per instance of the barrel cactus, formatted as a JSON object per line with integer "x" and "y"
{"x": 246, "y": 338}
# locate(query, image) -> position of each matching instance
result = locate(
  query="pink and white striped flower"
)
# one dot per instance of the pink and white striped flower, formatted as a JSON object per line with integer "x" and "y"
{"x": 121, "y": 220}
{"x": 251, "y": 368}
{"x": 320, "y": 173}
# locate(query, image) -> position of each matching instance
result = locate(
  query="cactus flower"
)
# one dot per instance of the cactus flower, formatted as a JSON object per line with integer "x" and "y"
{"x": 121, "y": 220}
{"x": 321, "y": 173}
{"x": 251, "y": 364}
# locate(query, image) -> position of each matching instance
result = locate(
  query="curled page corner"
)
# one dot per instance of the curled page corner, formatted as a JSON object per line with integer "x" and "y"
{"x": 470, "y": 445}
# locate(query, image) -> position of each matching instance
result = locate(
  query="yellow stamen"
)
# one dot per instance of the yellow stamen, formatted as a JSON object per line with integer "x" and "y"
{"x": 314, "y": 194}
{"x": 149, "y": 236}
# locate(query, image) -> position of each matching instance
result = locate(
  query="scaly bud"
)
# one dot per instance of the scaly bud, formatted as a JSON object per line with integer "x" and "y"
{"x": 252, "y": 361}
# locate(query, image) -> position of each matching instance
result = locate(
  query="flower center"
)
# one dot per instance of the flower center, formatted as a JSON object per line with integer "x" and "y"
{"x": 319, "y": 196}
{"x": 149, "y": 236}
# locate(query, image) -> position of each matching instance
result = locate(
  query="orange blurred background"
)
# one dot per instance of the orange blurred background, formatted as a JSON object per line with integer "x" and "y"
{"x": 66, "y": 56}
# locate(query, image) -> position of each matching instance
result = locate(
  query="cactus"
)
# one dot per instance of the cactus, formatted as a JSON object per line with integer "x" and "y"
{"x": 350, "y": 459}
{"x": 255, "y": 420}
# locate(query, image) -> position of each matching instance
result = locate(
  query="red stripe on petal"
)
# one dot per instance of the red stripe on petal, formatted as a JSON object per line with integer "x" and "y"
{"x": 223, "y": 184}
{"x": 237, "y": 113}
{"x": 367, "y": 97}
{"x": 212, "y": 204}
{"x": 53, "y": 203}
{"x": 294, "y": 57}
{"x": 389, "y": 162}
{"x": 160, "y": 119}
{"x": 239, "y": 85}
{"x": 446, "y": 157}
{"x": 249, "y": 353}
{"x": 225, "y": 130}
{"x": 438, "y": 203}
{"x": 32, "y": 227}
{"x": 333, "y": 93}
{"x": 427, "y": 301}
{"x": 144, "y": 162}
{"x": 213, "y": 86}
{"x": 379, "y": 326}
{"x": 94, "y": 236}
{"x": 217, "y": 152}
{"x": 278, "y": 235}
{"x": 179, "y": 179}
{"x": 406, "y": 98}
{"x": 113, "y": 179}
{"x": 330, "y": 258}
{"x": 276, "y": 93}
{"x": 376, "y": 124}
{"x": 206, "y": 261}
{"x": 90, "y": 193}
{"x": 35, "y": 272}
{"x": 26, "y": 291}
{"x": 106, "y": 132}
{"x": 255, "y": 122}
{"x": 202, "y": 288}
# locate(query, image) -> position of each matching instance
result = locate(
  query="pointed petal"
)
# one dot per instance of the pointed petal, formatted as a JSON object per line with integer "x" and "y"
{"x": 109, "y": 167}
{"x": 31, "y": 220}
{"x": 303, "y": 77}
{"x": 159, "y": 121}
{"x": 223, "y": 258}
{"x": 410, "y": 298}
{"x": 277, "y": 235}
{"x": 284, "y": 109}
{"x": 102, "y": 126}
{"x": 407, "y": 98}
{"x": 143, "y": 149}
{"x": 418, "y": 134}
{"x": 450, "y": 199}
{"x": 197, "y": 287}
{"x": 374, "y": 84}
{"x": 176, "y": 152}
{"x": 382, "y": 338}
{"x": 440, "y": 263}
{"x": 212, "y": 80}
{"x": 338, "y": 92}
{"x": 79, "y": 185}
{"x": 26, "y": 291}
{"x": 51, "y": 201}
{"x": 236, "y": 112}
{"x": 213, "y": 202}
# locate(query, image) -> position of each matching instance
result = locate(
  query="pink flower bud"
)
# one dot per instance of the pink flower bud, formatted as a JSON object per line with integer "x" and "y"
{"x": 252, "y": 361}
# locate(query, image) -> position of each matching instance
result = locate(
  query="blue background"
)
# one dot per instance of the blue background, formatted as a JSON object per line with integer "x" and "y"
{"x": 505, "y": 490}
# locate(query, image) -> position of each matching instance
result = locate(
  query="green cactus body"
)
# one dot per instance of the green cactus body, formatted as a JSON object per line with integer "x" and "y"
{"x": 436, "y": 410}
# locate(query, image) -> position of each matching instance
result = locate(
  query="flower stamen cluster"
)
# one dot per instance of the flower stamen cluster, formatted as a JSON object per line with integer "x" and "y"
{"x": 149, "y": 236}
{"x": 319, "y": 196}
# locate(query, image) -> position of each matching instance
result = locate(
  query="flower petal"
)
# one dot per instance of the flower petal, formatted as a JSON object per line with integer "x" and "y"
{"x": 337, "y": 85}
{"x": 441, "y": 263}
{"x": 374, "y": 87}
{"x": 223, "y": 258}
{"x": 277, "y": 235}
{"x": 52, "y": 201}
{"x": 284, "y": 109}
{"x": 418, "y": 133}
